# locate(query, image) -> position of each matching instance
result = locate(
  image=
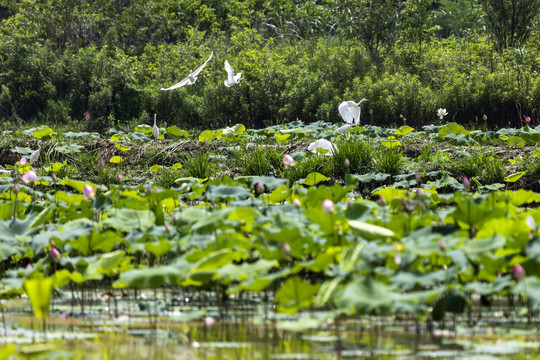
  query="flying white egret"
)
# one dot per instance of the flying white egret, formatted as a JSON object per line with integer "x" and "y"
{"x": 155, "y": 129}
{"x": 231, "y": 78}
{"x": 350, "y": 111}
{"x": 35, "y": 155}
{"x": 322, "y": 144}
{"x": 191, "y": 78}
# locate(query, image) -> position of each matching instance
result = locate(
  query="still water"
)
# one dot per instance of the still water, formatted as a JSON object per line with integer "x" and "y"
{"x": 132, "y": 332}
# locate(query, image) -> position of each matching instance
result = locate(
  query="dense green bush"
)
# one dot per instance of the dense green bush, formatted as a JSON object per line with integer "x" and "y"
{"x": 298, "y": 60}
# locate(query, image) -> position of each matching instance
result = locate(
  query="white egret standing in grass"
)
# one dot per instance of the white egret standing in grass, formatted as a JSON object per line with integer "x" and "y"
{"x": 35, "y": 155}
{"x": 231, "y": 78}
{"x": 191, "y": 78}
{"x": 155, "y": 129}
{"x": 350, "y": 111}
{"x": 327, "y": 146}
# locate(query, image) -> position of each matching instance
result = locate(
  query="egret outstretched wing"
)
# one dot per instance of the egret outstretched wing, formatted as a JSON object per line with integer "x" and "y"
{"x": 191, "y": 78}
{"x": 350, "y": 111}
{"x": 231, "y": 78}
{"x": 355, "y": 112}
{"x": 345, "y": 113}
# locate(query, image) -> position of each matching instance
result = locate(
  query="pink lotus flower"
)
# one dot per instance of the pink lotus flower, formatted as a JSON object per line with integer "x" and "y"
{"x": 288, "y": 160}
{"x": 29, "y": 177}
{"x": 259, "y": 187}
{"x": 209, "y": 321}
{"x": 55, "y": 254}
{"x": 89, "y": 192}
{"x": 518, "y": 272}
{"x": 328, "y": 206}
{"x": 287, "y": 248}
{"x": 23, "y": 161}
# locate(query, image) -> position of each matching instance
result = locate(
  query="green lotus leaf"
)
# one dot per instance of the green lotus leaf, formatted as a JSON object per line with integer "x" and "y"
{"x": 177, "y": 132}
{"x": 126, "y": 220}
{"x": 150, "y": 277}
{"x": 39, "y": 292}
{"x": 295, "y": 294}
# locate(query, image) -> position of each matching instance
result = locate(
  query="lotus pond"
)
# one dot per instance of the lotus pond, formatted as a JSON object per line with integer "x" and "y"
{"x": 402, "y": 244}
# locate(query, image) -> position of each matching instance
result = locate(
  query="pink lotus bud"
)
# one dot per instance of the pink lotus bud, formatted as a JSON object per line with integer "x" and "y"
{"x": 370, "y": 111}
{"x": 518, "y": 272}
{"x": 88, "y": 192}
{"x": 53, "y": 176}
{"x": 382, "y": 200}
{"x": 485, "y": 117}
{"x": 418, "y": 178}
{"x": 29, "y": 265}
{"x": 87, "y": 116}
{"x": 442, "y": 245}
{"x": 397, "y": 258}
{"x": 165, "y": 123}
{"x": 297, "y": 202}
{"x": 373, "y": 161}
{"x": 328, "y": 206}
{"x": 209, "y": 321}
{"x": 223, "y": 166}
{"x": 287, "y": 248}
{"x": 288, "y": 160}
{"x": 15, "y": 189}
{"x": 174, "y": 219}
{"x": 100, "y": 164}
{"x": 55, "y": 254}
{"x": 347, "y": 162}
{"x": 119, "y": 177}
{"x": 23, "y": 161}
{"x": 167, "y": 228}
{"x": 148, "y": 190}
{"x": 29, "y": 177}
{"x": 420, "y": 193}
{"x": 259, "y": 187}
{"x": 527, "y": 119}
{"x": 466, "y": 182}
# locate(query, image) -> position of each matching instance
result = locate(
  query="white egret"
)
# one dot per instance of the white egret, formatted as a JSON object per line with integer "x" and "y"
{"x": 35, "y": 155}
{"x": 328, "y": 148}
{"x": 231, "y": 78}
{"x": 191, "y": 78}
{"x": 155, "y": 129}
{"x": 344, "y": 128}
{"x": 350, "y": 111}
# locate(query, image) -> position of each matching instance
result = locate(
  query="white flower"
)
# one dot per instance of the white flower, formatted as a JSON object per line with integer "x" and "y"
{"x": 441, "y": 112}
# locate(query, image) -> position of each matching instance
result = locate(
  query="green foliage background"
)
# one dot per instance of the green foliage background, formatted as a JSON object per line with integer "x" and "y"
{"x": 62, "y": 59}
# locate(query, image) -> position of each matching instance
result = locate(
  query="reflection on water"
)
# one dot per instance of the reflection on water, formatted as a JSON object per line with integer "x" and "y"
{"x": 83, "y": 339}
{"x": 135, "y": 330}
